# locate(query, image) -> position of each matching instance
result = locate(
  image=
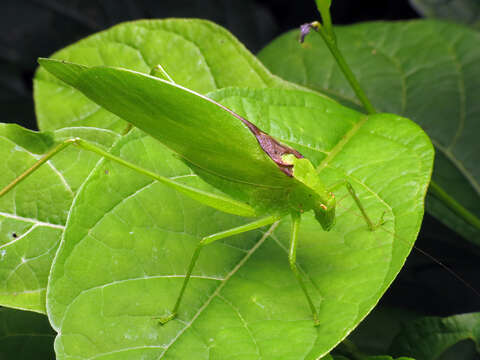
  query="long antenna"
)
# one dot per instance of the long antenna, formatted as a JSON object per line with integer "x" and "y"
{"x": 448, "y": 269}
{"x": 427, "y": 255}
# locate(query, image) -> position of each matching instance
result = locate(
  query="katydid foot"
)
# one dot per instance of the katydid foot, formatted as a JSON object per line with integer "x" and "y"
{"x": 165, "y": 319}
{"x": 378, "y": 223}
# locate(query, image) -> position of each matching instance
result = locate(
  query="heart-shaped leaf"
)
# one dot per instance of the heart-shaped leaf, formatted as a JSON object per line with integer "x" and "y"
{"x": 425, "y": 70}
{"x": 430, "y": 338}
{"x": 197, "y": 54}
{"x": 128, "y": 242}
{"x": 33, "y": 214}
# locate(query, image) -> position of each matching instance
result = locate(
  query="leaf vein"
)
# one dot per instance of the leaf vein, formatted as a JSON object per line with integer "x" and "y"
{"x": 31, "y": 220}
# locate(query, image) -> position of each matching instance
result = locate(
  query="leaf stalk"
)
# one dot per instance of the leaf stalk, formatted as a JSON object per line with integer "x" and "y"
{"x": 437, "y": 191}
{"x": 331, "y": 43}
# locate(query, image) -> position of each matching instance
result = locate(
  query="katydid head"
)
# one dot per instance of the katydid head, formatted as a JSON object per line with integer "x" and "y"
{"x": 312, "y": 194}
{"x": 325, "y": 213}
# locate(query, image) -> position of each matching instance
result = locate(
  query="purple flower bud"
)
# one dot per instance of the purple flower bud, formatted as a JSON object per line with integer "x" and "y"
{"x": 305, "y": 30}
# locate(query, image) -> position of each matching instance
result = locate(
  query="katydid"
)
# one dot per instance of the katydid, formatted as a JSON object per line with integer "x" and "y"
{"x": 260, "y": 176}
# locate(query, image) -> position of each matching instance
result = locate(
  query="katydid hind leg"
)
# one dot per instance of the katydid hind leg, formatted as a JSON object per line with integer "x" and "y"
{"x": 292, "y": 259}
{"x": 57, "y": 149}
{"x": 206, "y": 241}
{"x": 216, "y": 201}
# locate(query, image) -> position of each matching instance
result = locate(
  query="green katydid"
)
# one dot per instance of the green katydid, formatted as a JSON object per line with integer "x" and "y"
{"x": 262, "y": 177}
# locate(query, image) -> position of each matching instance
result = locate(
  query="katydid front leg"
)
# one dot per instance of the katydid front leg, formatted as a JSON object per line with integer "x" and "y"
{"x": 208, "y": 240}
{"x": 372, "y": 226}
{"x": 292, "y": 259}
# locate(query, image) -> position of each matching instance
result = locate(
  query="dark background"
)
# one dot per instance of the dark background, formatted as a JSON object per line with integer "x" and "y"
{"x": 36, "y": 28}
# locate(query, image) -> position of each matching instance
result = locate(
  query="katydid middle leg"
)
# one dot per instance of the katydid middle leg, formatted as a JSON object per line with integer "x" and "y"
{"x": 208, "y": 240}
{"x": 372, "y": 226}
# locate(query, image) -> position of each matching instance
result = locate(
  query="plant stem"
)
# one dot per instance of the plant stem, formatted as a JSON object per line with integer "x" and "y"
{"x": 332, "y": 46}
{"x": 454, "y": 205}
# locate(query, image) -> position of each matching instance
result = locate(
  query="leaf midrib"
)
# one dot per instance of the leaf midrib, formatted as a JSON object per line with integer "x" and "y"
{"x": 341, "y": 144}
{"x": 36, "y": 222}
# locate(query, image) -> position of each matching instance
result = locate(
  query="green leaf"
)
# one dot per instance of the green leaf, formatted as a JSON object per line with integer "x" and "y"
{"x": 424, "y": 70}
{"x": 197, "y": 54}
{"x": 374, "y": 335}
{"x": 128, "y": 242}
{"x": 461, "y": 11}
{"x": 25, "y": 335}
{"x": 431, "y": 337}
{"x": 33, "y": 215}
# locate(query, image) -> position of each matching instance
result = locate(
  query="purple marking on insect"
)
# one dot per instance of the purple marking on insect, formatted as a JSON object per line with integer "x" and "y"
{"x": 268, "y": 144}
{"x": 273, "y": 148}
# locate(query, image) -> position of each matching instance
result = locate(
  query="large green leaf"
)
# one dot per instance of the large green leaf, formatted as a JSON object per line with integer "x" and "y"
{"x": 25, "y": 335}
{"x": 33, "y": 215}
{"x": 198, "y": 54}
{"x": 430, "y": 338}
{"x": 425, "y": 70}
{"x": 128, "y": 242}
{"x": 462, "y": 11}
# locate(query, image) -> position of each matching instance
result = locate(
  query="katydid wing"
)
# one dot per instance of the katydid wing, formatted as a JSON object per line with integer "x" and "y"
{"x": 227, "y": 147}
